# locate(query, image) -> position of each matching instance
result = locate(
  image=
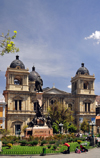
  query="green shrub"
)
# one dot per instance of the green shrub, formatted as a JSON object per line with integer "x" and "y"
{"x": 23, "y": 142}
{"x": 58, "y": 142}
{"x": 4, "y": 142}
{"x": 52, "y": 142}
{"x": 54, "y": 147}
{"x": 49, "y": 146}
{"x": 68, "y": 136}
{"x": 12, "y": 142}
{"x": 74, "y": 140}
{"x": 43, "y": 142}
{"x": 34, "y": 142}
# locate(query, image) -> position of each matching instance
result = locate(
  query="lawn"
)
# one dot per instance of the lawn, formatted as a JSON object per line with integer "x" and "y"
{"x": 28, "y": 150}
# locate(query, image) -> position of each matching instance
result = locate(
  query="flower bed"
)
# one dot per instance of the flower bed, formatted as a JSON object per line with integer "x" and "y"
{"x": 30, "y": 150}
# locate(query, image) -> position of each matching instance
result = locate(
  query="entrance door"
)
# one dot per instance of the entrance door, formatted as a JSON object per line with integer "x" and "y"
{"x": 17, "y": 129}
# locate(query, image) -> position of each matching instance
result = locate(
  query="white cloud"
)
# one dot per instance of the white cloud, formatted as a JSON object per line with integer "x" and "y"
{"x": 2, "y": 99}
{"x": 69, "y": 86}
{"x": 95, "y": 36}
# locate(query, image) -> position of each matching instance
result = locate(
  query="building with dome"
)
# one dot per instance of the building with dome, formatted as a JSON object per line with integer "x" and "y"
{"x": 21, "y": 96}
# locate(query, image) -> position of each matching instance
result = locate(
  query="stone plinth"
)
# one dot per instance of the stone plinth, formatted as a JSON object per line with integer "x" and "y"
{"x": 37, "y": 131}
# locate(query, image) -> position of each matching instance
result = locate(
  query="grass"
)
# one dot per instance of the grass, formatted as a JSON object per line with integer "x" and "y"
{"x": 28, "y": 150}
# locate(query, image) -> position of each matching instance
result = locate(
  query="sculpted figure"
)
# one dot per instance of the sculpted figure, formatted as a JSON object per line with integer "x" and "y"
{"x": 39, "y": 84}
{"x": 49, "y": 121}
{"x": 39, "y": 115}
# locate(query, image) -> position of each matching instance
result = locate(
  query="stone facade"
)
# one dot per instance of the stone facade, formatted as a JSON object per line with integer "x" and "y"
{"x": 20, "y": 96}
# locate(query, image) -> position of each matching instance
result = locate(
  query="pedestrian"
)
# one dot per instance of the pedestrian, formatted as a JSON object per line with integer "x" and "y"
{"x": 77, "y": 150}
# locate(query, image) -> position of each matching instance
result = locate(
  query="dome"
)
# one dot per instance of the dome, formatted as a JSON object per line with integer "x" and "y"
{"x": 33, "y": 75}
{"x": 16, "y": 63}
{"x": 82, "y": 70}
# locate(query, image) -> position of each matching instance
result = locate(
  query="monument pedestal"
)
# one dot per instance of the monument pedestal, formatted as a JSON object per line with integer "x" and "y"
{"x": 39, "y": 131}
{"x": 39, "y": 126}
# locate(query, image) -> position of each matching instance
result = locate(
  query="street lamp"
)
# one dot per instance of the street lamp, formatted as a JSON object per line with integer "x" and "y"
{"x": 92, "y": 124}
{"x": 61, "y": 128}
{"x": 98, "y": 129}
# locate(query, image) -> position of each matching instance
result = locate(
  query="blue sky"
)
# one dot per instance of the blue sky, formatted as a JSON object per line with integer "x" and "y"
{"x": 54, "y": 35}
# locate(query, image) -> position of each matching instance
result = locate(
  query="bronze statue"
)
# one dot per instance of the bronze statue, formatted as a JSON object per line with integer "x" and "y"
{"x": 39, "y": 119}
{"x": 39, "y": 84}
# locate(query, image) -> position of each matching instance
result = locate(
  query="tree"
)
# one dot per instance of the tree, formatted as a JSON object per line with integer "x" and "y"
{"x": 4, "y": 132}
{"x": 6, "y": 43}
{"x": 60, "y": 114}
{"x": 85, "y": 126}
{"x": 72, "y": 128}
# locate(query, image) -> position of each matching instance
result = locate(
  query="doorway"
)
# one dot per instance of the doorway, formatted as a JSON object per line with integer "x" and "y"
{"x": 17, "y": 130}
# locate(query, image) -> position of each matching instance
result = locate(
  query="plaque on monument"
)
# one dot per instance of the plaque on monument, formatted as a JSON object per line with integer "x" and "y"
{"x": 0, "y": 146}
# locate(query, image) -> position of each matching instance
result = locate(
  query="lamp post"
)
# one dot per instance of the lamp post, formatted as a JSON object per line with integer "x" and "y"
{"x": 98, "y": 129}
{"x": 61, "y": 128}
{"x": 92, "y": 124}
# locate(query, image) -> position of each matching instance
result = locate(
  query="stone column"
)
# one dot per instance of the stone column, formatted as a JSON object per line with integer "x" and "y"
{"x": 3, "y": 111}
{"x": 3, "y": 124}
{"x": 12, "y": 79}
{"x": 17, "y": 104}
{"x": 87, "y": 106}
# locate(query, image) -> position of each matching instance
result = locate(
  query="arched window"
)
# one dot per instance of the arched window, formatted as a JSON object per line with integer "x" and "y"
{"x": 85, "y": 85}
{"x": 53, "y": 102}
{"x": 70, "y": 106}
{"x": 18, "y": 80}
{"x": 87, "y": 107}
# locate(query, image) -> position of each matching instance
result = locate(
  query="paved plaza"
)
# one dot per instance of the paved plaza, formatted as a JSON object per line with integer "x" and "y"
{"x": 92, "y": 153}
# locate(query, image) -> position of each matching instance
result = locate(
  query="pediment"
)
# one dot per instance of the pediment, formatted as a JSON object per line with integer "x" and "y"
{"x": 54, "y": 91}
{"x": 17, "y": 98}
{"x": 17, "y": 121}
{"x": 87, "y": 101}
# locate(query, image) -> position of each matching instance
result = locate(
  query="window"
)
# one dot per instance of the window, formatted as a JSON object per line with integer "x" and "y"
{"x": 75, "y": 85}
{"x": 88, "y": 107}
{"x": 70, "y": 106}
{"x": 15, "y": 104}
{"x": 17, "y": 80}
{"x": 85, "y": 107}
{"x": 86, "y": 85}
{"x": 53, "y": 102}
{"x": 17, "y": 129}
{"x": 20, "y": 104}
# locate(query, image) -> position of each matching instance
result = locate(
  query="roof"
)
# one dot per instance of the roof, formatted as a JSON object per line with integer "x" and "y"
{"x": 16, "y": 63}
{"x": 97, "y": 117}
{"x": 54, "y": 91}
{"x": 82, "y": 70}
